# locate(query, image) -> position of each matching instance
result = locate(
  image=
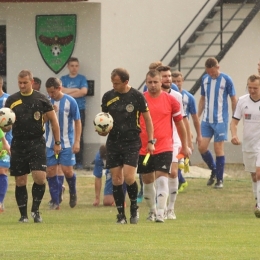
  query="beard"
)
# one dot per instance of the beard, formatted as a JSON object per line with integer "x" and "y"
{"x": 166, "y": 87}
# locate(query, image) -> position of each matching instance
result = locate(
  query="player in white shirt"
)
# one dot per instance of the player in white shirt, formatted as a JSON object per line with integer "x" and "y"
{"x": 173, "y": 182}
{"x": 248, "y": 109}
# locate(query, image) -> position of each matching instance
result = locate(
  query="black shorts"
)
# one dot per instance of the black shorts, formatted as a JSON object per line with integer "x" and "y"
{"x": 158, "y": 162}
{"x": 27, "y": 156}
{"x": 120, "y": 152}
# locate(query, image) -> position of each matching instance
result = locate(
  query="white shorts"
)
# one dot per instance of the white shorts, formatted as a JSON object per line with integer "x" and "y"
{"x": 175, "y": 152}
{"x": 251, "y": 161}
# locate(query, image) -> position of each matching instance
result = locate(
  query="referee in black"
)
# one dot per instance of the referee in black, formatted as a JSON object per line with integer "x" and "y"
{"x": 125, "y": 104}
{"x": 28, "y": 148}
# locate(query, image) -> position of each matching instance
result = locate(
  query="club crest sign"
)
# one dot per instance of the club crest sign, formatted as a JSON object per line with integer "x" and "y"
{"x": 55, "y": 37}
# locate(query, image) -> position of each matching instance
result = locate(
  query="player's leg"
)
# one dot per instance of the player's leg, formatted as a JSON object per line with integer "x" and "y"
{"x": 220, "y": 163}
{"x": 220, "y": 135}
{"x": 257, "y": 211}
{"x": 108, "y": 199}
{"x": 148, "y": 178}
{"x": 118, "y": 193}
{"x": 67, "y": 160}
{"x": 62, "y": 188}
{"x": 250, "y": 161}
{"x": 140, "y": 195}
{"x": 4, "y": 166}
{"x": 52, "y": 179}
{"x": 207, "y": 133}
{"x": 130, "y": 160}
{"x": 19, "y": 168}
{"x": 53, "y": 183}
{"x": 162, "y": 164}
{"x": 37, "y": 162}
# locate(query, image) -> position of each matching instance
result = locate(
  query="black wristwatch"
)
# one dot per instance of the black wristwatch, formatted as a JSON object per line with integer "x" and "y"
{"x": 57, "y": 142}
{"x": 153, "y": 141}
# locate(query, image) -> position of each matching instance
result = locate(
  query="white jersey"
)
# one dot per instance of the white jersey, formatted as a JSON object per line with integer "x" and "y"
{"x": 249, "y": 110}
{"x": 175, "y": 135}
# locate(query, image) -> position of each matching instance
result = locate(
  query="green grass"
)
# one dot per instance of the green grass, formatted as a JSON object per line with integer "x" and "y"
{"x": 211, "y": 224}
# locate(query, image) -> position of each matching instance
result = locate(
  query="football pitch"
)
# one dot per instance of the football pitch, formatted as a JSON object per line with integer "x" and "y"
{"x": 210, "y": 224}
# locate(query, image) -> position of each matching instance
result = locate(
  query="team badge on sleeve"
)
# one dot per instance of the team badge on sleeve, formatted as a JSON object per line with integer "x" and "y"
{"x": 37, "y": 115}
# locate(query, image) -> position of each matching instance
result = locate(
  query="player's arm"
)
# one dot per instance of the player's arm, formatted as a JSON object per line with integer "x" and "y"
{"x": 233, "y": 103}
{"x": 55, "y": 129}
{"x": 233, "y": 129}
{"x": 201, "y": 106}
{"x": 77, "y": 134}
{"x": 5, "y": 144}
{"x": 183, "y": 136}
{"x": 188, "y": 131}
{"x": 196, "y": 124}
{"x": 75, "y": 92}
{"x": 149, "y": 130}
{"x": 98, "y": 186}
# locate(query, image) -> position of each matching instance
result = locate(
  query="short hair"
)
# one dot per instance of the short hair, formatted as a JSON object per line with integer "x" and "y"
{"x": 253, "y": 78}
{"x": 37, "y": 80}
{"x": 72, "y": 59}
{"x": 211, "y": 62}
{"x": 25, "y": 73}
{"x": 163, "y": 68}
{"x": 176, "y": 74}
{"x": 121, "y": 73}
{"x": 53, "y": 82}
{"x": 103, "y": 152}
{"x": 153, "y": 73}
{"x": 155, "y": 65}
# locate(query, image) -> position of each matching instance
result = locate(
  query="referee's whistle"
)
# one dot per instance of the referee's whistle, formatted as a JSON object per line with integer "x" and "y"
{"x": 56, "y": 156}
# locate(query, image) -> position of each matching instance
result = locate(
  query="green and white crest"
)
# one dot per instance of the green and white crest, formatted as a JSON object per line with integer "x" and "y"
{"x": 55, "y": 37}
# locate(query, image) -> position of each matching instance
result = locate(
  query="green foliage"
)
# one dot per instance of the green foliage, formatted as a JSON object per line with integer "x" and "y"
{"x": 211, "y": 224}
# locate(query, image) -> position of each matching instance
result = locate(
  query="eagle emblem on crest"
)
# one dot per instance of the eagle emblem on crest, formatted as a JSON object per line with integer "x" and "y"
{"x": 56, "y": 43}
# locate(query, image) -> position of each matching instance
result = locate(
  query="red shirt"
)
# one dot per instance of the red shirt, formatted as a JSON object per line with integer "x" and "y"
{"x": 163, "y": 110}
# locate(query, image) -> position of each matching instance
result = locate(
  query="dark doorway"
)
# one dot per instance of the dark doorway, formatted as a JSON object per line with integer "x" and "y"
{"x": 3, "y": 54}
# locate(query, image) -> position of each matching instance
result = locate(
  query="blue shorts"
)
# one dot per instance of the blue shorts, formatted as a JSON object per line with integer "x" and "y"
{"x": 5, "y": 161}
{"x": 108, "y": 190}
{"x": 219, "y": 130}
{"x": 66, "y": 157}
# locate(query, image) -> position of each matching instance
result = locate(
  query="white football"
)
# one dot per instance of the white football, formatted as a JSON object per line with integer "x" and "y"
{"x": 7, "y": 116}
{"x": 103, "y": 122}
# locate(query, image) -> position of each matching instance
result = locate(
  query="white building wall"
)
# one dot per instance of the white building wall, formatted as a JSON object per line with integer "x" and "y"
{"x": 116, "y": 33}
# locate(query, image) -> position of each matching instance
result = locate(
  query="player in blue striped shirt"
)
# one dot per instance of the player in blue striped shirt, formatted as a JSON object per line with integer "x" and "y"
{"x": 69, "y": 119}
{"x": 5, "y": 159}
{"x": 215, "y": 89}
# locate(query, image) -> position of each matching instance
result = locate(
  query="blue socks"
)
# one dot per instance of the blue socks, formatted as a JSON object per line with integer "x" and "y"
{"x": 72, "y": 184}
{"x": 3, "y": 186}
{"x": 180, "y": 177}
{"x": 220, "y": 164}
{"x": 54, "y": 189}
{"x": 208, "y": 159}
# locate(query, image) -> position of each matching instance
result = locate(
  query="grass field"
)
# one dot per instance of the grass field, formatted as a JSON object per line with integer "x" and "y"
{"x": 210, "y": 224}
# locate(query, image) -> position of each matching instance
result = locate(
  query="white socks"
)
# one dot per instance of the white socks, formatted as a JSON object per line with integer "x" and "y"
{"x": 173, "y": 191}
{"x": 162, "y": 194}
{"x": 149, "y": 196}
{"x": 254, "y": 186}
{"x": 258, "y": 193}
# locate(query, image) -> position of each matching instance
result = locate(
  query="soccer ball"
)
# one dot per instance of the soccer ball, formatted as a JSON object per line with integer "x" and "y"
{"x": 55, "y": 50}
{"x": 7, "y": 117}
{"x": 103, "y": 122}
